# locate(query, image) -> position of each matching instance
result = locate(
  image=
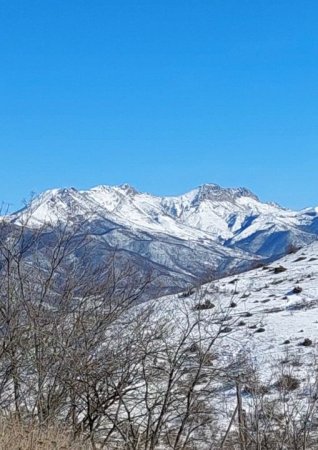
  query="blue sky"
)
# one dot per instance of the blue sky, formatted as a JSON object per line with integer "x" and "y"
{"x": 164, "y": 95}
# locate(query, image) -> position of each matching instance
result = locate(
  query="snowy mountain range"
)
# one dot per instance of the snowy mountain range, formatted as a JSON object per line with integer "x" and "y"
{"x": 187, "y": 239}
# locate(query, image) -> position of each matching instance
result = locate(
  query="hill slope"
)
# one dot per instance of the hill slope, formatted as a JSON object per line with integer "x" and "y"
{"x": 273, "y": 309}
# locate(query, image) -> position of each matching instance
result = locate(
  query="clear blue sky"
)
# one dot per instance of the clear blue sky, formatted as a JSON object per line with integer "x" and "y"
{"x": 162, "y": 94}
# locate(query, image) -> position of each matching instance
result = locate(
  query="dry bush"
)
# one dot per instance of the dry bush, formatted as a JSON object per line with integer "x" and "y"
{"x": 279, "y": 269}
{"x": 287, "y": 383}
{"x": 17, "y": 436}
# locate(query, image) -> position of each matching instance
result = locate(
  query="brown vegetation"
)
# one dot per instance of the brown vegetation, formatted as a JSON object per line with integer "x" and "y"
{"x": 17, "y": 436}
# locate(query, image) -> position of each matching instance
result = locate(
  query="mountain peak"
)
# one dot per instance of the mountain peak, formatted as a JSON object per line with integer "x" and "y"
{"x": 128, "y": 189}
{"x": 210, "y": 191}
{"x": 125, "y": 188}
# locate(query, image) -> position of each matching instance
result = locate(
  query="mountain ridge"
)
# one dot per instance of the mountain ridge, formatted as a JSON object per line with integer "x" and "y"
{"x": 202, "y": 234}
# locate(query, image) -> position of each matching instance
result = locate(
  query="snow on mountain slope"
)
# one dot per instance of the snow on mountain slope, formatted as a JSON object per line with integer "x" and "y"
{"x": 208, "y": 212}
{"x": 122, "y": 205}
{"x": 206, "y": 232}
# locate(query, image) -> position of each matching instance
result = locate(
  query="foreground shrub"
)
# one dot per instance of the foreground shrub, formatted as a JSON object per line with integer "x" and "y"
{"x": 17, "y": 436}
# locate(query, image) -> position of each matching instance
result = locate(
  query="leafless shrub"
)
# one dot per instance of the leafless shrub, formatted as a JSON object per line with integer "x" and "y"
{"x": 15, "y": 435}
{"x": 297, "y": 290}
{"x": 206, "y": 304}
{"x": 306, "y": 342}
{"x": 279, "y": 269}
{"x": 287, "y": 383}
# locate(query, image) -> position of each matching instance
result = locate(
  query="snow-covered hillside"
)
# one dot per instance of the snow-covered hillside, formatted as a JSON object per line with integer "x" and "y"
{"x": 207, "y": 232}
{"x": 272, "y": 310}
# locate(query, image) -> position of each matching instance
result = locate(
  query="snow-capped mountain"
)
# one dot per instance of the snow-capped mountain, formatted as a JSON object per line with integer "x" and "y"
{"x": 204, "y": 233}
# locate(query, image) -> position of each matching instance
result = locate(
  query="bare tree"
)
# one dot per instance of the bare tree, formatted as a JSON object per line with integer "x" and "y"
{"x": 78, "y": 347}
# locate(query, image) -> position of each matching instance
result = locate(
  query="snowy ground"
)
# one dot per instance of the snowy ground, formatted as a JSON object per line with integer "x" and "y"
{"x": 273, "y": 308}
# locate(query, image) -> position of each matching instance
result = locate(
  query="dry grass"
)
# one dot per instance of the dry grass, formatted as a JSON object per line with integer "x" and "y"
{"x": 15, "y": 436}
